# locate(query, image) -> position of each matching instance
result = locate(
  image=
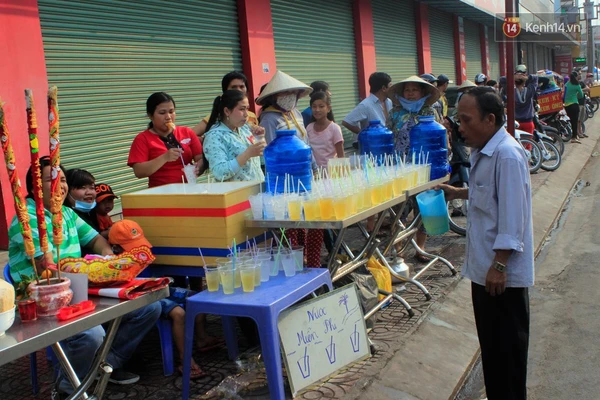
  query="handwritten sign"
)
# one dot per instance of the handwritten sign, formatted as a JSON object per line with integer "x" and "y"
{"x": 550, "y": 102}
{"x": 321, "y": 336}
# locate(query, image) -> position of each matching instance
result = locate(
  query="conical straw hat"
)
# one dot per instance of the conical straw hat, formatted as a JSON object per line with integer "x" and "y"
{"x": 398, "y": 89}
{"x": 282, "y": 82}
{"x": 466, "y": 85}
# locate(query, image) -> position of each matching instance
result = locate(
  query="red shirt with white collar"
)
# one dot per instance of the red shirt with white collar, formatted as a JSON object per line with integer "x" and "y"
{"x": 147, "y": 146}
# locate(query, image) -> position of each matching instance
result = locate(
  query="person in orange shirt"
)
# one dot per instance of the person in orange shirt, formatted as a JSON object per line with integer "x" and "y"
{"x": 105, "y": 202}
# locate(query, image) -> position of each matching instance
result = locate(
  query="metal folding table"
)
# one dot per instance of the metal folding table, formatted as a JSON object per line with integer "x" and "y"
{"x": 398, "y": 233}
{"x": 24, "y": 338}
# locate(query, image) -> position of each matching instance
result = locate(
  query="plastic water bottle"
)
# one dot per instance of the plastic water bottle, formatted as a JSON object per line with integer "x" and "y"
{"x": 376, "y": 140}
{"x": 287, "y": 154}
{"x": 428, "y": 139}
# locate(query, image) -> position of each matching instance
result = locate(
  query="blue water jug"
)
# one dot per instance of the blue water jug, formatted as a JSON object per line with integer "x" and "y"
{"x": 376, "y": 140}
{"x": 287, "y": 154}
{"x": 428, "y": 139}
{"x": 434, "y": 211}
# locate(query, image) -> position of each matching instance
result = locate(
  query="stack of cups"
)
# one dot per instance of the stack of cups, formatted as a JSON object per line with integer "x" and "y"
{"x": 256, "y": 204}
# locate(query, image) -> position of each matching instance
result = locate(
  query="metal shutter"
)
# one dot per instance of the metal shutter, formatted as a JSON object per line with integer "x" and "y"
{"x": 473, "y": 49}
{"x": 317, "y": 43}
{"x": 441, "y": 37}
{"x": 395, "y": 38}
{"x": 107, "y": 57}
{"x": 494, "y": 59}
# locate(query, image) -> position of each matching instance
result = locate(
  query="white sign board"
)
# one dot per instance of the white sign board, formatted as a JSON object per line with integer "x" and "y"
{"x": 321, "y": 336}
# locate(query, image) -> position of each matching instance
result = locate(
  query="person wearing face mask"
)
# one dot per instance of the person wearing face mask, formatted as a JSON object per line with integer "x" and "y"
{"x": 282, "y": 93}
{"x": 82, "y": 196}
{"x": 525, "y": 95}
{"x": 412, "y": 97}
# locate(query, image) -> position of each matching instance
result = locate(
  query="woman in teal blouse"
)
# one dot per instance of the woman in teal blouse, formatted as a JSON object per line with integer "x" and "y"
{"x": 230, "y": 145}
{"x": 573, "y": 93}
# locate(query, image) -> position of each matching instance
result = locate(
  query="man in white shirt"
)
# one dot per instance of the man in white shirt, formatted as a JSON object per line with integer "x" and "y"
{"x": 499, "y": 259}
{"x": 374, "y": 107}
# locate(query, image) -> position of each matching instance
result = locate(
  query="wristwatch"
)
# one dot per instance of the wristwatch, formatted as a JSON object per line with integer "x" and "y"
{"x": 498, "y": 266}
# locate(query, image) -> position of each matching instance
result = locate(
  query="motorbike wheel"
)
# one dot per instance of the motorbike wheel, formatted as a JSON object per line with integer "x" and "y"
{"x": 555, "y": 138}
{"x": 589, "y": 112}
{"x": 565, "y": 131}
{"x": 585, "y": 115}
{"x": 457, "y": 214}
{"x": 551, "y": 157}
{"x": 534, "y": 156}
{"x": 595, "y": 104}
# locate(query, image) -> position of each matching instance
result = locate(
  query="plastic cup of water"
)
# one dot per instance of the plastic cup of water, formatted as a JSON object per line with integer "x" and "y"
{"x": 298, "y": 253}
{"x": 289, "y": 263}
{"x": 256, "y": 204}
{"x": 273, "y": 265}
{"x": 264, "y": 260}
{"x": 279, "y": 207}
{"x": 227, "y": 277}
{"x": 268, "y": 206}
{"x": 190, "y": 174}
{"x": 247, "y": 276}
{"x": 212, "y": 278}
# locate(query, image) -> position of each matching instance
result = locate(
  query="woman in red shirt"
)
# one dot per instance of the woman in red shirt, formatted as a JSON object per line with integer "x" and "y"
{"x": 160, "y": 152}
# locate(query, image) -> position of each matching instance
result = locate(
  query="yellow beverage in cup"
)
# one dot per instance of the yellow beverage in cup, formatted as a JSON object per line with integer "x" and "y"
{"x": 212, "y": 279}
{"x": 412, "y": 178}
{"x": 339, "y": 208}
{"x": 377, "y": 194}
{"x": 388, "y": 191}
{"x": 227, "y": 280}
{"x": 237, "y": 280}
{"x": 366, "y": 195}
{"x": 312, "y": 210}
{"x": 248, "y": 280}
{"x": 326, "y": 206}
{"x": 347, "y": 206}
{"x": 360, "y": 200}
{"x": 295, "y": 210}
{"x": 354, "y": 203}
{"x": 397, "y": 186}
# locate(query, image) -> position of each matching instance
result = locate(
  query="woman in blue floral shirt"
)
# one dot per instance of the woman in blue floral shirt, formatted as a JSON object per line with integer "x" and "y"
{"x": 411, "y": 97}
{"x": 230, "y": 145}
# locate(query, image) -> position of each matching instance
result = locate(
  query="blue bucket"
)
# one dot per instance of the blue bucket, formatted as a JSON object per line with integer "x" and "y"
{"x": 434, "y": 211}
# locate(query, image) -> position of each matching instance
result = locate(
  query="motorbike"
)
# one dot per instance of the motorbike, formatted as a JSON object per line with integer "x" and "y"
{"x": 561, "y": 122}
{"x": 549, "y": 134}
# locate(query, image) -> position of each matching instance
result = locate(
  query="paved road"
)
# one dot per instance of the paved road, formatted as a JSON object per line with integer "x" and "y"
{"x": 565, "y": 346}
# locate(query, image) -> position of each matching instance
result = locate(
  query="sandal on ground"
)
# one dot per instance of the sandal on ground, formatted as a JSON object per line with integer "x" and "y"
{"x": 421, "y": 258}
{"x": 211, "y": 344}
{"x": 575, "y": 141}
{"x": 583, "y": 136}
{"x": 195, "y": 372}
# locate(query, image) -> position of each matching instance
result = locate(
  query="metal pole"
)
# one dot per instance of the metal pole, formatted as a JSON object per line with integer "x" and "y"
{"x": 510, "y": 76}
{"x": 589, "y": 7}
{"x": 518, "y": 42}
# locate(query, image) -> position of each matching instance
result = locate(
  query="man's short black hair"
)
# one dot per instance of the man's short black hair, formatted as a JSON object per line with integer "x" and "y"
{"x": 378, "y": 80}
{"x": 488, "y": 102}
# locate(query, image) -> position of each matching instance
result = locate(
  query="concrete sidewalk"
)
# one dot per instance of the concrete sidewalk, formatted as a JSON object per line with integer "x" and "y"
{"x": 438, "y": 354}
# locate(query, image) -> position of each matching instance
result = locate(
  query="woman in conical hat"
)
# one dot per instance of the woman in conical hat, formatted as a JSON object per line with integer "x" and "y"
{"x": 411, "y": 97}
{"x": 282, "y": 94}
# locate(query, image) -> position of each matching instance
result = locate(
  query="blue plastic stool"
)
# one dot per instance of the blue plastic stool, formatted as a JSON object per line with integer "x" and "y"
{"x": 165, "y": 333}
{"x": 263, "y": 306}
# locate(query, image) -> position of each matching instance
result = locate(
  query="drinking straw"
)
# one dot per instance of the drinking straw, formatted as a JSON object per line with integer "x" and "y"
{"x": 203, "y": 261}
{"x": 426, "y": 158}
{"x": 301, "y": 184}
{"x": 268, "y": 183}
{"x": 181, "y": 157}
{"x": 276, "y": 183}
